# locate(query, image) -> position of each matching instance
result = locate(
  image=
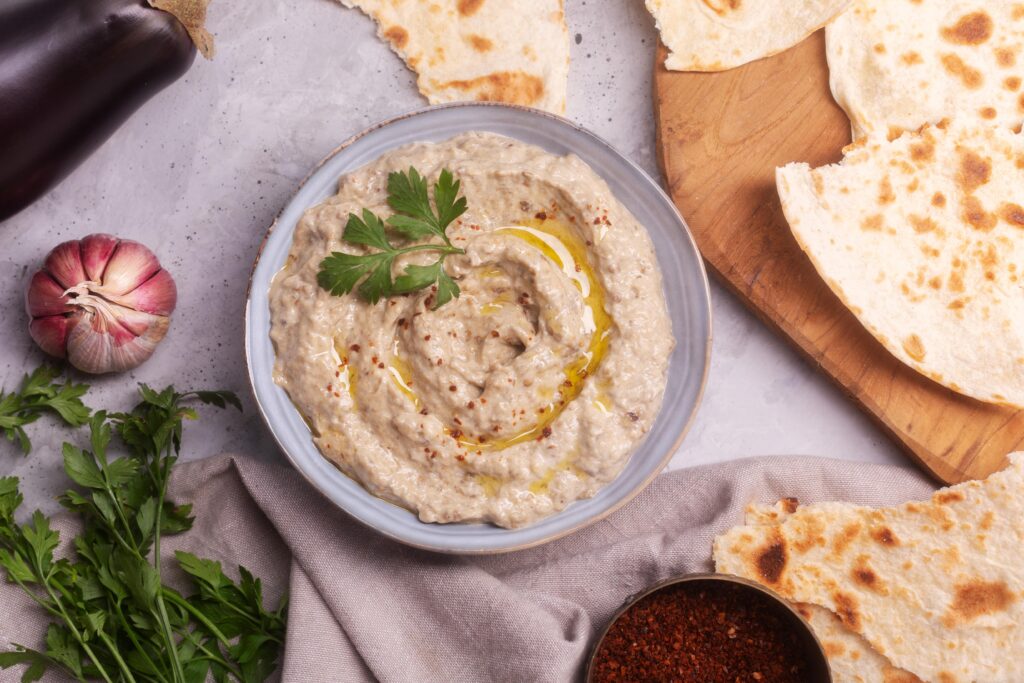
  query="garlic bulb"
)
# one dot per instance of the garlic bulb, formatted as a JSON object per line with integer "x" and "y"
{"x": 101, "y": 302}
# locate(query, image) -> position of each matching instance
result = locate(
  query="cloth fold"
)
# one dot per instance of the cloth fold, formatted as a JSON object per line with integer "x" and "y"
{"x": 364, "y": 607}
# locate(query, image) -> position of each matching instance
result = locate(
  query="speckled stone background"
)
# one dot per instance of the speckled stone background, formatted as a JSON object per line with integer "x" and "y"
{"x": 199, "y": 173}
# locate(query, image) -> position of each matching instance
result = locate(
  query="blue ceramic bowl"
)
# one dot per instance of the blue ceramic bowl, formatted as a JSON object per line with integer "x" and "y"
{"x": 686, "y": 289}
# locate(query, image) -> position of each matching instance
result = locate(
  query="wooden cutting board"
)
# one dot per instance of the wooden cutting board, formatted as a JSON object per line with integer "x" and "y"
{"x": 720, "y": 138}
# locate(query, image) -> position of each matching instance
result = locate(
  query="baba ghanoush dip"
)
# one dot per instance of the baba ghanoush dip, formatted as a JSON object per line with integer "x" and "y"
{"x": 527, "y": 392}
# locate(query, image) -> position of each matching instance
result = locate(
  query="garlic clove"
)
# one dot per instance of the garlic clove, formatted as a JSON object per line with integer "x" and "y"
{"x": 157, "y": 295}
{"x": 64, "y": 264}
{"x": 45, "y": 296}
{"x": 123, "y": 320}
{"x": 129, "y": 266}
{"x": 96, "y": 251}
{"x": 103, "y": 343}
{"x": 51, "y": 333}
{"x": 141, "y": 347}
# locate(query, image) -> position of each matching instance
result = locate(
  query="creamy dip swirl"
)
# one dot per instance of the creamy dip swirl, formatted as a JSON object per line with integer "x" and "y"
{"x": 527, "y": 392}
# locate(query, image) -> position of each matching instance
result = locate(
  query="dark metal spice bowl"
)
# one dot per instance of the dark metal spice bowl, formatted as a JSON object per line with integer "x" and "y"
{"x": 816, "y": 661}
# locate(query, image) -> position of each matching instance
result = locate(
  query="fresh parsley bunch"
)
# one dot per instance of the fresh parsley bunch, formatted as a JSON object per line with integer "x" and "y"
{"x": 414, "y": 219}
{"x": 113, "y": 617}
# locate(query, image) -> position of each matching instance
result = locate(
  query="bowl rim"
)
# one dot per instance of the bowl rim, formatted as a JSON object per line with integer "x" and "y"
{"x": 654, "y": 184}
{"x": 704, "y": 576}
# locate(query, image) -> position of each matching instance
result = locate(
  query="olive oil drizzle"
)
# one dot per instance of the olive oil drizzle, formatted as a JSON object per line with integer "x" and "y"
{"x": 559, "y": 243}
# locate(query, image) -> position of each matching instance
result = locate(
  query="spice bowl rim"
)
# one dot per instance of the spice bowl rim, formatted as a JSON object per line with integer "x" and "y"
{"x": 705, "y": 576}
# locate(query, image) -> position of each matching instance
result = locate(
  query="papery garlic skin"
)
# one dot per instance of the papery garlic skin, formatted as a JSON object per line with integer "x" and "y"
{"x": 101, "y": 302}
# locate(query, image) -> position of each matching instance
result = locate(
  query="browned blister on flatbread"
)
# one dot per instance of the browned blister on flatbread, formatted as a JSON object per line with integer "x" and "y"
{"x": 899, "y": 64}
{"x": 936, "y": 588}
{"x": 482, "y": 50}
{"x": 922, "y": 237}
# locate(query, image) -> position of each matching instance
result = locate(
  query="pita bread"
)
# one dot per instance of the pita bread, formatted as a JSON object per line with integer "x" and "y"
{"x": 715, "y": 35}
{"x": 923, "y": 239}
{"x": 484, "y": 50}
{"x": 937, "y": 587}
{"x": 850, "y": 657}
{"x": 904, "y": 63}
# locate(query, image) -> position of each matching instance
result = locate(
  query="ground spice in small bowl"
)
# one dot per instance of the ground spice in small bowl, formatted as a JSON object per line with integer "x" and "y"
{"x": 708, "y": 630}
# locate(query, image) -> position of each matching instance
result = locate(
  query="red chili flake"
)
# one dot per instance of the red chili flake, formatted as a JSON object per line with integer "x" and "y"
{"x": 380, "y": 365}
{"x": 374, "y": 360}
{"x": 354, "y": 348}
{"x": 471, "y": 405}
{"x": 692, "y": 634}
{"x": 541, "y": 216}
{"x": 452, "y": 387}
{"x": 424, "y": 412}
{"x": 330, "y": 387}
{"x": 426, "y": 337}
{"x": 460, "y": 457}
{"x": 457, "y": 434}
{"x": 545, "y": 433}
{"x": 494, "y": 333}
{"x": 457, "y": 421}
{"x": 484, "y": 401}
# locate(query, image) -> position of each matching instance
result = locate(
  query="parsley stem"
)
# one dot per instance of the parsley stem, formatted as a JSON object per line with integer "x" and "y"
{"x": 48, "y": 585}
{"x": 449, "y": 249}
{"x": 199, "y": 616}
{"x": 135, "y": 641}
{"x": 117, "y": 656}
{"x": 214, "y": 657}
{"x": 165, "y": 622}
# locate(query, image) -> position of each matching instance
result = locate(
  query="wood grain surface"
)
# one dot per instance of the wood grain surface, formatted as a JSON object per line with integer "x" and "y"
{"x": 720, "y": 138}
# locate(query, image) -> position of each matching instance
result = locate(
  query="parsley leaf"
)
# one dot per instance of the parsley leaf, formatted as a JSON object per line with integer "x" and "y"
{"x": 41, "y": 393}
{"x": 414, "y": 219}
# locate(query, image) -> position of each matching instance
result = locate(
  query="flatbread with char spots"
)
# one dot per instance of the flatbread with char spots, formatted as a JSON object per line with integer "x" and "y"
{"x": 480, "y": 50}
{"x": 899, "y": 64}
{"x": 715, "y": 35}
{"x": 922, "y": 238}
{"x": 937, "y": 587}
{"x": 850, "y": 658}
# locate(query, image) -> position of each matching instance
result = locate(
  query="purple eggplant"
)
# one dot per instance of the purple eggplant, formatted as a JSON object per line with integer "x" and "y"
{"x": 71, "y": 72}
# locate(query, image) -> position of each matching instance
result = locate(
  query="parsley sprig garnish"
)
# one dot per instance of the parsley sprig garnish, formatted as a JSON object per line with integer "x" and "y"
{"x": 113, "y": 617}
{"x": 415, "y": 220}
{"x": 41, "y": 393}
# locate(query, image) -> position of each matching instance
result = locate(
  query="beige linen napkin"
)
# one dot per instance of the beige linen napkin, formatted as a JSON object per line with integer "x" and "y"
{"x": 364, "y": 607}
